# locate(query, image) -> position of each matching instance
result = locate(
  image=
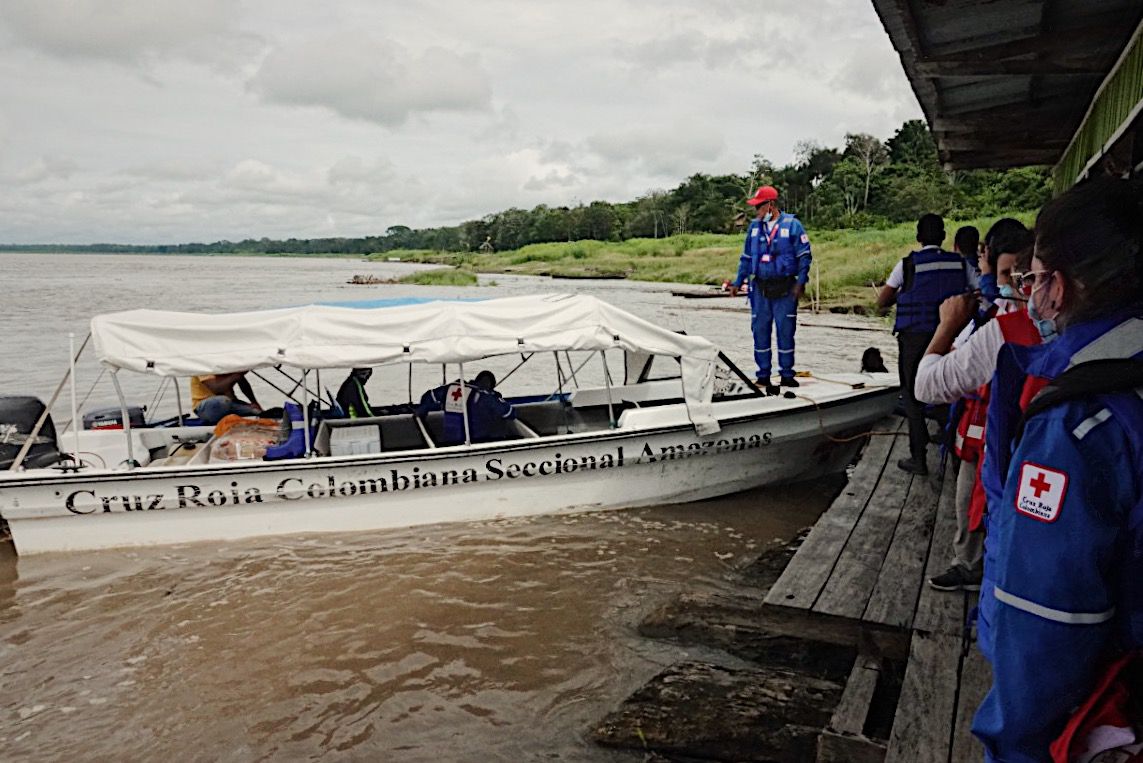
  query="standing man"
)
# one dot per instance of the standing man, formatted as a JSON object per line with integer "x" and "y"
{"x": 918, "y": 285}
{"x": 776, "y": 261}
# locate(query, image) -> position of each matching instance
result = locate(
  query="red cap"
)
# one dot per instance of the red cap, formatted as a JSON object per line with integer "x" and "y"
{"x": 762, "y": 195}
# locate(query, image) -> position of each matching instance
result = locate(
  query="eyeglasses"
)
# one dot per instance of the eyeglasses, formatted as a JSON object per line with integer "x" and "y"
{"x": 1026, "y": 282}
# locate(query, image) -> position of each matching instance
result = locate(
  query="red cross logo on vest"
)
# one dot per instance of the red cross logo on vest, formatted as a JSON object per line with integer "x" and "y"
{"x": 456, "y": 393}
{"x": 1041, "y": 492}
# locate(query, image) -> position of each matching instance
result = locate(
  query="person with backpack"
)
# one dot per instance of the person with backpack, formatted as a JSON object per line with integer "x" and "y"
{"x": 1061, "y": 605}
{"x": 918, "y": 285}
{"x": 958, "y": 364}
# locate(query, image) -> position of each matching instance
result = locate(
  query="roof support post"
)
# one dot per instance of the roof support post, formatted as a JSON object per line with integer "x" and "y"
{"x": 607, "y": 383}
{"x": 131, "y": 463}
{"x": 306, "y": 412}
{"x": 464, "y": 406}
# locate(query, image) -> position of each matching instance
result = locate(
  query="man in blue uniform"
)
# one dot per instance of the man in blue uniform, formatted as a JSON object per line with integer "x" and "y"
{"x": 776, "y": 262}
{"x": 918, "y": 285}
{"x": 488, "y": 412}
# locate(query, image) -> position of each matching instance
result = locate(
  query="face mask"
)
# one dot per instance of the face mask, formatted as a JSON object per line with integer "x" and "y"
{"x": 1008, "y": 292}
{"x": 1045, "y": 326}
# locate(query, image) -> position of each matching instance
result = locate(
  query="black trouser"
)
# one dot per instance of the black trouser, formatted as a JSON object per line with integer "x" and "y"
{"x": 910, "y": 349}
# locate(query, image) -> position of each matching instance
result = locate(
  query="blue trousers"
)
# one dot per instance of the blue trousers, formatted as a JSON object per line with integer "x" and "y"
{"x": 781, "y": 312}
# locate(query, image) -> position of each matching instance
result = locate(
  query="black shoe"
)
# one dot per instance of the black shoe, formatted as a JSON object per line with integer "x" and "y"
{"x": 789, "y": 381}
{"x": 956, "y": 578}
{"x": 772, "y": 390}
{"x": 913, "y": 466}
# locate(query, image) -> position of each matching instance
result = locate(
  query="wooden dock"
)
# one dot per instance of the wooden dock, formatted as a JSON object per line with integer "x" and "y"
{"x": 859, "y": 578}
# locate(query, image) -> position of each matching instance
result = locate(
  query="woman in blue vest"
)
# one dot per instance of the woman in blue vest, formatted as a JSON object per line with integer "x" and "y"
{"x": 1062, "y": 596}
{"x": 918, "y": 285}
{"x": 776, "y": 261}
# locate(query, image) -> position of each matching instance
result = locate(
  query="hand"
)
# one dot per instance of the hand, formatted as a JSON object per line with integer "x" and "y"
{"x": 982, "y": 261}
{"x": 798, "y": 290}
{"x": 957, "y": 310}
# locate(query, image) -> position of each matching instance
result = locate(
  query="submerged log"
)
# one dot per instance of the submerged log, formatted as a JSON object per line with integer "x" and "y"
{"x": 696, "y": 710}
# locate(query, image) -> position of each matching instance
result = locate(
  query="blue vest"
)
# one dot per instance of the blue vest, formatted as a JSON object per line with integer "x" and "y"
{"x": 773, "y": 255}
{"x": 1063, "y": 571}
{"x": 932, "y": 275}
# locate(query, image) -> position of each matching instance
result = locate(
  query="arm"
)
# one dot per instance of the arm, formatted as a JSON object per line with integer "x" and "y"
{"x": 244, "y": 385}
{"x": 428, "y": 403}
{"x": 1050, "y": 615}
{"x": 945, "y": 377}
{"x": 744, "y": 262}
{"x": 886, "y": 298}
{"x": 805, "y": 258}
{"x": 988, "y": 288}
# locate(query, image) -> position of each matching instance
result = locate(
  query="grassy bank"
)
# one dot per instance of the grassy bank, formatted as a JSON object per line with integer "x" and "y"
{"x": 846, "y": 261}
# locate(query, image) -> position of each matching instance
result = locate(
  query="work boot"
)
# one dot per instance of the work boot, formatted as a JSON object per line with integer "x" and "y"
{"x": 789, "y": 381}
{"x": 914, "y": 466}
{"x": 957, "y": 578}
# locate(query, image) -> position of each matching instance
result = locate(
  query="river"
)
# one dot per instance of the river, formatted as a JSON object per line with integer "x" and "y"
{"x": 503, "y": 640}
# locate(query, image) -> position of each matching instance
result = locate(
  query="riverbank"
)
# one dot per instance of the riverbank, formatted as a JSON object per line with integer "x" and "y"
{"x": 846, "y": 262}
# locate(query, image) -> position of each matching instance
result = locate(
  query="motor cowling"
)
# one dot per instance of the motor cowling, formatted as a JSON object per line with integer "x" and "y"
{"x": 18, "y": 417}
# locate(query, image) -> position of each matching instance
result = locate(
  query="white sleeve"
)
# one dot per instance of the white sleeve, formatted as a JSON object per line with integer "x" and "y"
{"x": 896, "y": 278}
{"x": 947, "y": 378}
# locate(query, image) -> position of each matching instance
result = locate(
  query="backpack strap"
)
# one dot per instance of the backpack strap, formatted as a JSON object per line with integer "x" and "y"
{"x": 1085, "y": 380}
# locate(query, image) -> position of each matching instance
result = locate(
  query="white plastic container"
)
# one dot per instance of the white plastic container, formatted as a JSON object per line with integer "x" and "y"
{"x": 349, "y": 441}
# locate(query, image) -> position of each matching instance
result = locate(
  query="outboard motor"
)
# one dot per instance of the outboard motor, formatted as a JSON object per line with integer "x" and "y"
{"x": 18, "y": 417}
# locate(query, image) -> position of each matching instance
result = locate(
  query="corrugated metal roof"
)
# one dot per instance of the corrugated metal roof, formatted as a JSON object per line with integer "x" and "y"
{"x": 1005, "y": 83}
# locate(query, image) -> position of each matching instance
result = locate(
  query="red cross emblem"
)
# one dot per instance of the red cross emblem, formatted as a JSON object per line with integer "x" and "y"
{"x": 1040, "y": 485}
{"x": 456, "y": 394}
{"x": 1041, "y": 491}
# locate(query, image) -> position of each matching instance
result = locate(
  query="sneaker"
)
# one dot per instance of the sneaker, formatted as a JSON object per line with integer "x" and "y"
{"x": 789, "y": 381}
{"x": 956, "y": 578}
{"x": 913, "y": 466}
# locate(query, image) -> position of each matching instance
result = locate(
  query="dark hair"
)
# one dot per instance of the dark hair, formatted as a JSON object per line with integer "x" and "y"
{"x": 1091, "y": 235}
{"x": 930, "y": 230}
{"x": 1010, "y": 239}
{"x": 966, "y": 240}
{"x": 485, "y": 380}
{"x": 1000, "y": 227}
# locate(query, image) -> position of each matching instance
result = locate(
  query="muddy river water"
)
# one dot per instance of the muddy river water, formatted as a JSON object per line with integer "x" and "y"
{"x": 503, "y": 640}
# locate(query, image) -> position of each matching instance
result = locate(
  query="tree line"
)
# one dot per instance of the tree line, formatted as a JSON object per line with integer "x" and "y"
{"x": 867, "y": 182}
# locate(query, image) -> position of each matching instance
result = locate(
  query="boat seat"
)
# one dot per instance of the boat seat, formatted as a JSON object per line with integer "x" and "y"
{"x": 549, "y": 418}
{"x": 398, "y": 432}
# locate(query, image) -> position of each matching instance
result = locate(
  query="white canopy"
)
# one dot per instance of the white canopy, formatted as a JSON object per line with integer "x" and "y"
{"x": 316, "y": 336}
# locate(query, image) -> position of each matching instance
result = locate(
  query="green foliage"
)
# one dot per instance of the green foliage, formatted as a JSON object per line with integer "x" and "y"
{"x": 441, "y": 277}
{"x": 866, "y": 183}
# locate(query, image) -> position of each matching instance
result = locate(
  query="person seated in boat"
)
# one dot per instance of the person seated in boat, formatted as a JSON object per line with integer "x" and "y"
{"x": 213, "y": 397}
{"x": 488, "y": 412}
{"x": 352, "y": 397}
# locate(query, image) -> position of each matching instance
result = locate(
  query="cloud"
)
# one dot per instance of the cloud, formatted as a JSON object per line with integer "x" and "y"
{"x": 364, "y": 77}
{"x": 46, "y": 168}
{"x": 122, "y": 31}
{"x": 674, "y": 149}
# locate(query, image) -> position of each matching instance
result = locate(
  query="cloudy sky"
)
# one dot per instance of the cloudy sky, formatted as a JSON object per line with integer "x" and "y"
{"x": 162, "y": 121}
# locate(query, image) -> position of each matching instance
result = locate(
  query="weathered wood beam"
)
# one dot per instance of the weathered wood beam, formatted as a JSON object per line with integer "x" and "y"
{"x": 972, "y": 67}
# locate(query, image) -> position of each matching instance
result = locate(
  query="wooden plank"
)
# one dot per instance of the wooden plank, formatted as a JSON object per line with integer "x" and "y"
{"x": 802, "y": 580}
{"x": 843, "y": 741}
{"x": 842, "y": 748}
{"x": 975, "y": 680}
{"x": 942, "y": 611}
{"x": 923, "y": 724}
{"x": 850, "y": 585}
{"x": 895, "y": 596}
{"x": 849, "y": 716}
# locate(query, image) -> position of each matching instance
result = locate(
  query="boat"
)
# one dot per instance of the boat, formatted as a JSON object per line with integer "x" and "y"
{"x": 683, "y": 424}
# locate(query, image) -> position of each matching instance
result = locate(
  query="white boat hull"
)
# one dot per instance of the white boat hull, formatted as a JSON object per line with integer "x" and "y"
{"x": 627, "y": 467}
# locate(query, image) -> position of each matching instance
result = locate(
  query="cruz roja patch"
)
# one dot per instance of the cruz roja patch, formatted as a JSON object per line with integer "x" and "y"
{"x": 1041, "y": 492}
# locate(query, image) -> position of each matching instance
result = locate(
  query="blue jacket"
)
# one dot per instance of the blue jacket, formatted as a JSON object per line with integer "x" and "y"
{"x": 487, "y": 412}
{"x": 932, "y": 275}
{"x": 781, "y": 253}
{"x": 1063, "y": 570}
